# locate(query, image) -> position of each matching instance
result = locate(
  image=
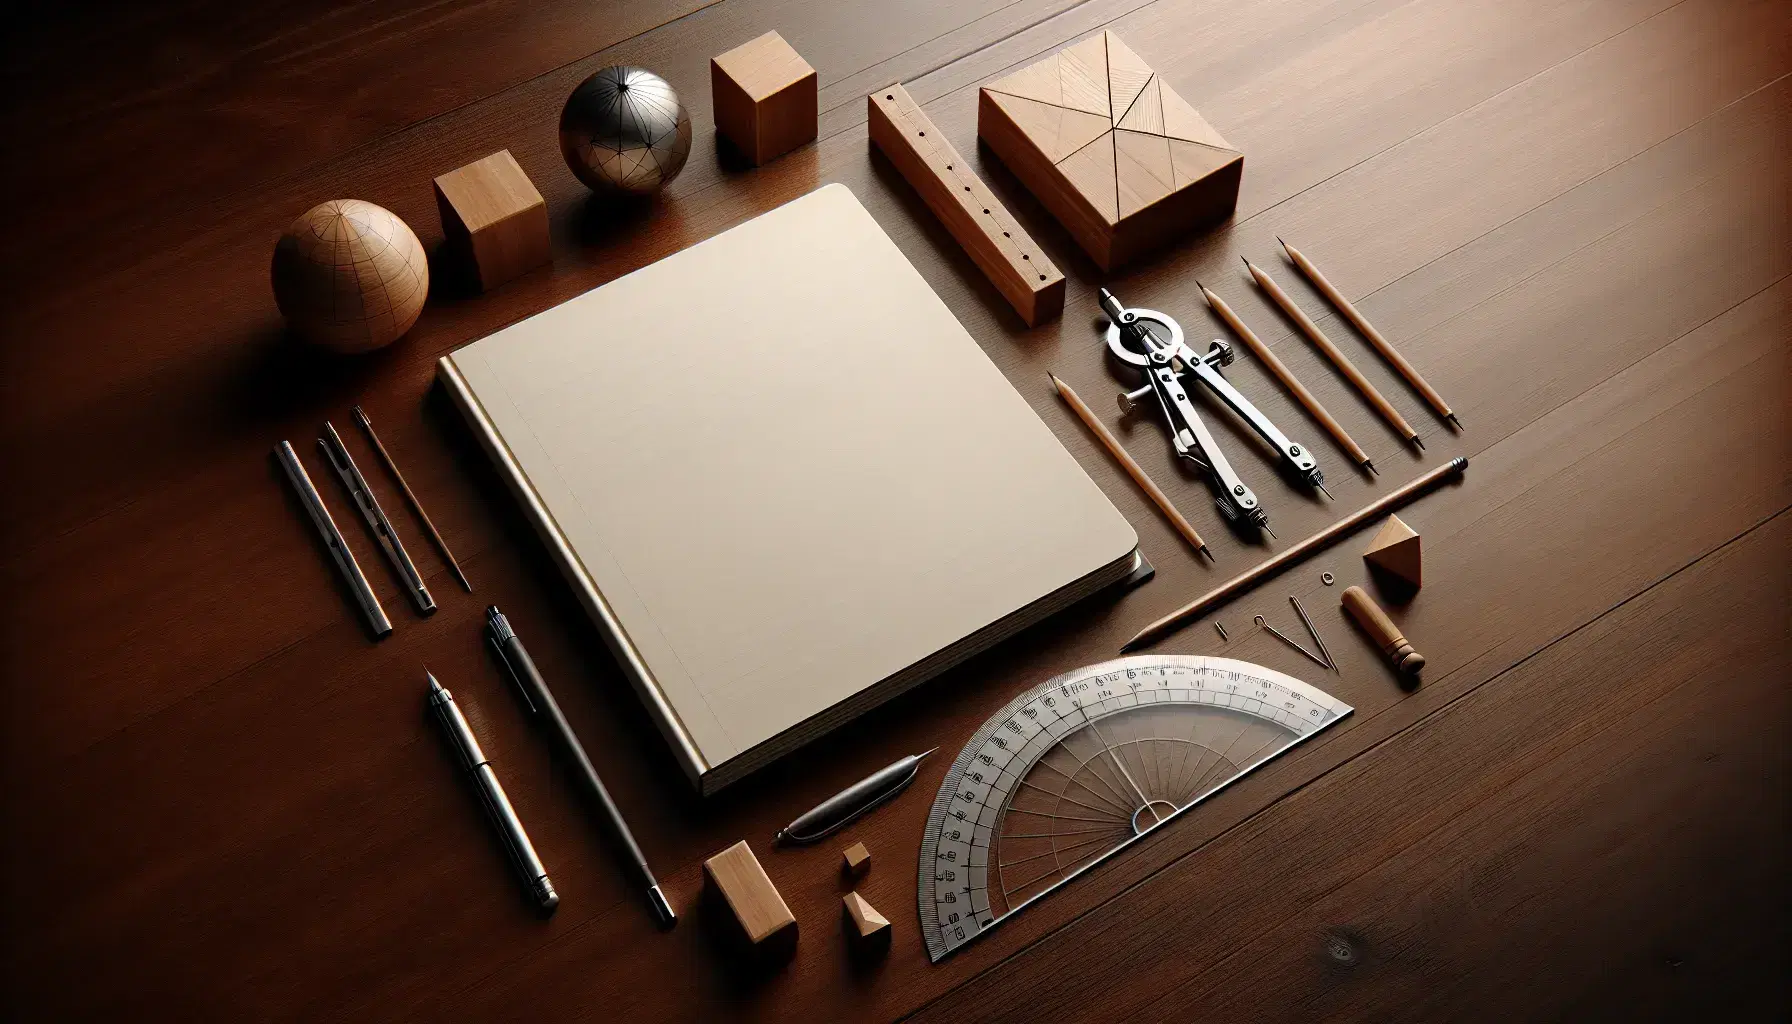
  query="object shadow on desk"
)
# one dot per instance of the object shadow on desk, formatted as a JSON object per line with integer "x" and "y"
{"x": 281, "y": 375}
{"x": 1392, "y": 589}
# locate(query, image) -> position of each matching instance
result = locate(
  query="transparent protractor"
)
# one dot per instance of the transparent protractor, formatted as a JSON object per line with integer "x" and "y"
{"x": 1087, "y": 763}
{"x": 1112, "y": 780}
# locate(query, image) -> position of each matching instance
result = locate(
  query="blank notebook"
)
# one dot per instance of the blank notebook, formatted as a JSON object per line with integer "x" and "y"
{"x": 784, "y": 480}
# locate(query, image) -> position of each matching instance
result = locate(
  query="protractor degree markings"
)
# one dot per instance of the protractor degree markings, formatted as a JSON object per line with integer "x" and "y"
{"x": 1062, "y": 797}
{"x": 1119, "y": 799}
{"x": 1118, "y": 808}
{"x": 1056, "y": 817}
{"x": 1055, "y": 870}
{"x": 1135, "y": 786}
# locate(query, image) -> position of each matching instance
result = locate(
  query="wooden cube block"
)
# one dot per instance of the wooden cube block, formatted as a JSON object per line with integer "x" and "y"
{"x": 1121, "y": 160}
{"x": 765, "y": 97}
{"x": 867, "y": 930}
{"x": 494, "y": 220}
{"x": 764, "y": 920}
{"x": 857, "y": 860}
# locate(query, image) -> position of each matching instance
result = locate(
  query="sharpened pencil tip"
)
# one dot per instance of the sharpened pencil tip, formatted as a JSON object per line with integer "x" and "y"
{"x": 1418, "y": 441}
{"x": 1325, "y": 492}
{"x": 1209, "y": 553}
{"x": 1454, "y": 422}
{"x": 1272, "y": 533}
{"x": 1280, "y": 242}
{"x": 1246, "y": 259}
{"x": 1369, "y": 464}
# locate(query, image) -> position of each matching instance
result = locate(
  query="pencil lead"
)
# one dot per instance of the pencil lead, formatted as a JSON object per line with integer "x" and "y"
{"x": 1454, "y": 422}
{"x": 1418, "y": 441}
{"x": 1272, "y": 533}
{"x": 1205, "y": 551}
{"x": 1246, "y": 259}
{"x": 1280, "y": 242}
{"x": 1325, "y": 492}
{"x": 1369, "y": 464}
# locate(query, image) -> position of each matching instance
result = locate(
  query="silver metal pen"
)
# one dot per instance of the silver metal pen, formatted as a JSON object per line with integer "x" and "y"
{"x": 839, "y": 810}
{"x": 362, "y": 495}
{"x": 326, "y": 526}
{"x": 491, "y": 794}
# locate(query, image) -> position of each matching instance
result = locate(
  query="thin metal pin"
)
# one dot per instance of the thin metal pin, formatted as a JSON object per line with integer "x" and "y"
{"x": 1222, "y": 629}
{"x": 1285, "y": 638}
{"x": 1272, "y": 533}
{"x": 1325, "y": 492}
{"x": 1313, "y": 630}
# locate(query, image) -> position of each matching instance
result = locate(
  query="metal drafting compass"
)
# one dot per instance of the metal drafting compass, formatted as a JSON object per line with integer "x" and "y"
{"x": 1152, "y": 343}
{"x": 1084, "y": 765}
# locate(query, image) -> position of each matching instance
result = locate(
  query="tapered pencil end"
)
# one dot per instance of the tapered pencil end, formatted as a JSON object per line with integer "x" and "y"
{"x": 1325, "y": 492}
{"x": 1369, "y": 464}
{"x": 1057, "y": 385}
{"x": 1418, "y": 441}
{"x": 1205, "y": 550}
{"x": 1139, "y": 640}
{"x": 1454, "y": 422}
{"x": 465, "y": 584}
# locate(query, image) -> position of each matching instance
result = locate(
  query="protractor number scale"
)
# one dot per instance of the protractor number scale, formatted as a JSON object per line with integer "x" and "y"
{"x": 1088, "y": 763}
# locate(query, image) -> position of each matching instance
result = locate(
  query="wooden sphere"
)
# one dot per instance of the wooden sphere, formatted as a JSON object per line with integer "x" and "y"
{"x": 350, "y": 276}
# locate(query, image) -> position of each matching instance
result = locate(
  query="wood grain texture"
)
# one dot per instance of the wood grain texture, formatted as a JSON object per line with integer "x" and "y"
{"x": 224, "y": 802}
{"x": 996, "y": 242}
{"x": 494, "y": 219}
{"x": 765, "y": 98}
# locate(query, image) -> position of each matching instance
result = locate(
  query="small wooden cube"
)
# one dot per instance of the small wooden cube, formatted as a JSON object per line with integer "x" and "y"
{"x": 765, "y": 921}
{"x": 867, "y": 930}
{"x": 857, "y": 860}
{"x": 766, "y": 98}
{"x": 1110, "y": 149}
{"x": 494, "y": 219}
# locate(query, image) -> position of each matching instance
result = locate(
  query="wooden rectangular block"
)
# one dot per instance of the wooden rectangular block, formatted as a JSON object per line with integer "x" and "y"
{"x": 1005, "y": 253}
{"x": 764, "y": 919}
{"x": 494, "y": 219}
{"x": 1121, "y": 160}
{"x": 765, "y": 97}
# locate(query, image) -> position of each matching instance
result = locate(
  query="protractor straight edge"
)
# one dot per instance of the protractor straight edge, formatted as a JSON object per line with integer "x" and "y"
{"x": 1087, "y": 763}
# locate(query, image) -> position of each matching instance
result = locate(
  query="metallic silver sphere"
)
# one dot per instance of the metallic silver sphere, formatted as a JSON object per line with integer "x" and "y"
{"x": 623, "y": 131}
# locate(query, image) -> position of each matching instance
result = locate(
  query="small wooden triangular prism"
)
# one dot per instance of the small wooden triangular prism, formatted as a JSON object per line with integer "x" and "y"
{"x": 1395, "y": 550}
{"x": 867, "y": 928}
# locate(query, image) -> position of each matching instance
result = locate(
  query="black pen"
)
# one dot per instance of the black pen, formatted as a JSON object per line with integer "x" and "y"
{"x": 534, "y": 689}
{"x": 837, "y": 811}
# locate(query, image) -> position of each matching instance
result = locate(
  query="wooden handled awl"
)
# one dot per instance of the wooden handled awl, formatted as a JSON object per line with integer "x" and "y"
{"x": 1382, "y": 630}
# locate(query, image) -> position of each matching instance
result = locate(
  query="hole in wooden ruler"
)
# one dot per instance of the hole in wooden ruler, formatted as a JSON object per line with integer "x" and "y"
{"x": 889, "y": 95}
{"x": 922, "y": 134}
{"x": 986, "y": 209}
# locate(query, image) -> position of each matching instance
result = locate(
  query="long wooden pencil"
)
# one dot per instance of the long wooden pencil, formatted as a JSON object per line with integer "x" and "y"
{"x": 410, "y": 497}
{"x": 1133, "y": 469}
{"x": 1288, "y": 379}
{"x": 1381, "y": 343}
{"x": 1324, "y": 538}
{"x": 1335, "y": 354}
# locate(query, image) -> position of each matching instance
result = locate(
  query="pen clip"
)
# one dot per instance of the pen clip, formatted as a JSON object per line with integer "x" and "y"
{"x": 510, "y": 670}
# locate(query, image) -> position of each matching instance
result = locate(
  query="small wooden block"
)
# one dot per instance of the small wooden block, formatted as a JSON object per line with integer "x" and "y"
{"x": 858, "y": 860}
{"x": 763, "y": 917}
{"x": 494, "y": 219}
{"x": 766, "y": 98}
{"x": 1005, "y": 253}
{"x": 1395, "y": 550}
{"x": 1105, "y": 143}
{"x": 867, "y": 928}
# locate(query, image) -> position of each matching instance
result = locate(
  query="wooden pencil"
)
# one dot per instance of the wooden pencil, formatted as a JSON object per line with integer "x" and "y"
{"x": 1336, "y": 355}
{"x": 1289, "y": 381}
{"x": 410, "y": 497}
{"x": 1324, "y": 538}
{"x": 1381, "y": 343}
{"x": 1133, "y": 469}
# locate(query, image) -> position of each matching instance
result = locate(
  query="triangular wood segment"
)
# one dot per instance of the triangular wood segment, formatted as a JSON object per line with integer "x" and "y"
{"x": 1090, "y": 171}
{"x": 1192, "y": 163}
{"x": 1057, "y": 131}
{"x": 1181, "y": 121}
{"x": 1142, "y": 164}
{"x": 1395, "y": 550}
{"x": 1127, "y": 74}
{"x": 864, "y": 919}
{"x": 1147, "y": 111}
{"x": 1035, "y": 82}
{"x": 1083, "y": 73}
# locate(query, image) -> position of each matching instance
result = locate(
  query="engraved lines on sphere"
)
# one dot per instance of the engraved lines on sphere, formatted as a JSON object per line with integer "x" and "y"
{"x": 644, "y": 149}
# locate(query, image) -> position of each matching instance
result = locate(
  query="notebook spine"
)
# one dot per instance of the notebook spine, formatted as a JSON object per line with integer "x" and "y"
{"x": 684, "y": 748}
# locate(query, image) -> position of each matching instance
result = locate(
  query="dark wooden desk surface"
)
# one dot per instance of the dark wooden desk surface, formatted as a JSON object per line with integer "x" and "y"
{"x": 224, "y": 802}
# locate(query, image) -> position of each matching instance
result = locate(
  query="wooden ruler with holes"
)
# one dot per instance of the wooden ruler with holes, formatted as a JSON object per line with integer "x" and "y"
{"x": 1005, "y": 253}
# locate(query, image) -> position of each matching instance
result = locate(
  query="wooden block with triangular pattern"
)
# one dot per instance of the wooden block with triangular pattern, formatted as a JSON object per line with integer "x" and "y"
{"x": 1395, "y": 550}
{"x": 1109, "y": 147}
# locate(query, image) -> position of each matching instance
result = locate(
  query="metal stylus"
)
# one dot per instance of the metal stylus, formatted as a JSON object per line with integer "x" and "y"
{"x": 542, "y": 706}
{"x": 344, "y": 463}
{"x": 326, "y": 526}
{"x": 836, "y": 811}
{"x": 491, "y": 794}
